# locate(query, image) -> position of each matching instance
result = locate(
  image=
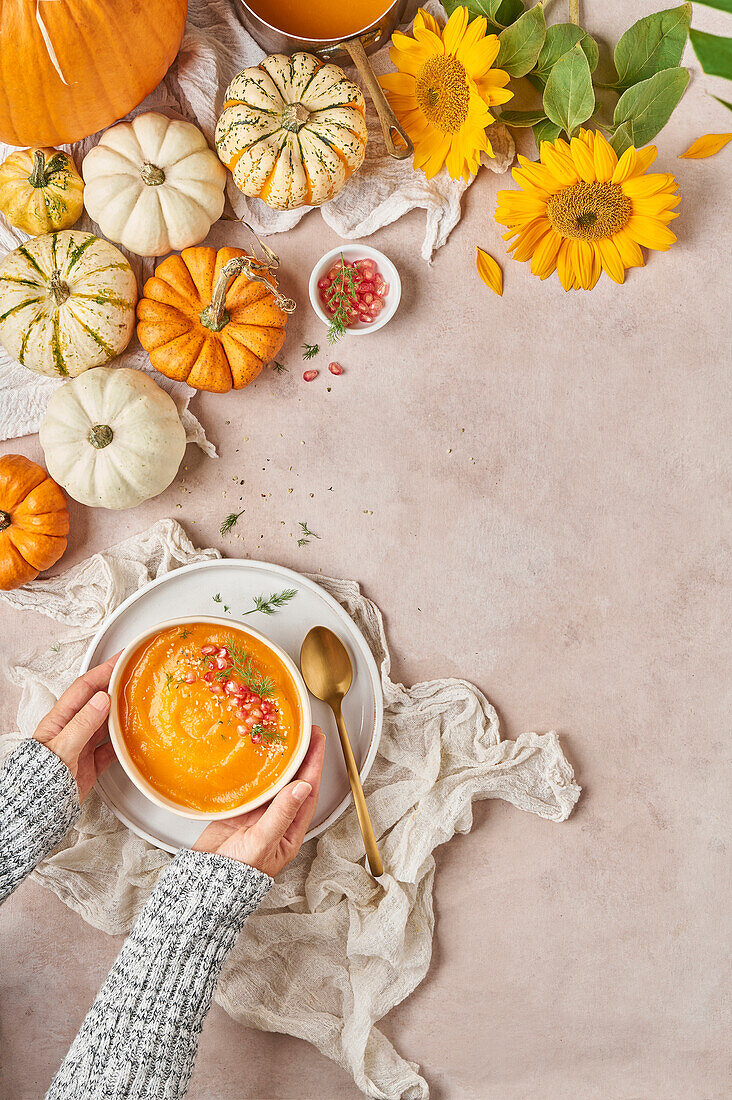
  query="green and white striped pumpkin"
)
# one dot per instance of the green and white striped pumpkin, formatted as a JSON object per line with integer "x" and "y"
{"x": 292, "y": 130}
{"x": 67, "y": 303}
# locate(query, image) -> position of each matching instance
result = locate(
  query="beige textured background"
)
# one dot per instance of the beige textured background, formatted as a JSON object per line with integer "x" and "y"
{"x": 534, "y": 489}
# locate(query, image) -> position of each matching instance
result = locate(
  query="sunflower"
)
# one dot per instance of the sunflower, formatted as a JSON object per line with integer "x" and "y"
{"x": 583, "y": 211}
{"x": 443, "y": 89}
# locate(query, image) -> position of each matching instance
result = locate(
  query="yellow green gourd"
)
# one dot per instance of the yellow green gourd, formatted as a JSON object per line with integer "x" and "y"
{"x": 40, "y": 191}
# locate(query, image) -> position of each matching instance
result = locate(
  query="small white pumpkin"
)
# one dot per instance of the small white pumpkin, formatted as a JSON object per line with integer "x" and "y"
{"x": 112, "y": 437}
{"x": 292, "y": 130}
{"x": 153, "y": 185}
{"x": 67, "y": 303}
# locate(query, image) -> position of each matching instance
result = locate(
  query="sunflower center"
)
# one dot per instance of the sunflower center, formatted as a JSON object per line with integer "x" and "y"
{"x": 589, "y": 211}
{"x": 442, "y": 93}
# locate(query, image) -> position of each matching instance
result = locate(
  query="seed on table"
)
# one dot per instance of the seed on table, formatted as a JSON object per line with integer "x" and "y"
{"x": 310, "y": 375}
{"x": 335, "y": 368}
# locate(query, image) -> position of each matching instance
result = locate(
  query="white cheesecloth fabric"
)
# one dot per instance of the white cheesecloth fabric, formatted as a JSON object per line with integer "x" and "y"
{"x": 330, "y": 952}
{"x": 215, "y": 47}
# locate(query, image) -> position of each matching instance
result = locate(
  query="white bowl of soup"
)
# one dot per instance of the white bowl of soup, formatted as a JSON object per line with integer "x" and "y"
{"x": 208, "y": 719}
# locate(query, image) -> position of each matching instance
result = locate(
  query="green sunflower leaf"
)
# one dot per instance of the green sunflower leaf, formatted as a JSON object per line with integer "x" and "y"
{"x": 714, "y": 53}
{"x": 721, "y": 5}
{"x": 522, "y": 118}
{"x": 622, "y": 139}
{"x": 651, "y": 45}
{"x": 560, "y": 38}
{"x": 546, "y": 131}
{"x": 569, "y": 98}
{"x": 647, "y": 107}
{"x": 499, "y": 13}
{"x": 522, "y": 42}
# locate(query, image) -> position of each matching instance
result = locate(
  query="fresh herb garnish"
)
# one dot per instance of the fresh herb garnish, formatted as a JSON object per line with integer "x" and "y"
{"x": 280, "y": 368}
{"x": 243, "y": 665}
{"x": 230, "y": 521}
{"x": 269, "y": 605}
{"x": 307, "y": 535}
{"x": 217, "y": 599}
{"x": 56, "y": 648}
{"x": 268, "y": 735}
{"x": 309, "y": 351}
{"x": 184, "y": 634}
{"x": 342, "y": 292}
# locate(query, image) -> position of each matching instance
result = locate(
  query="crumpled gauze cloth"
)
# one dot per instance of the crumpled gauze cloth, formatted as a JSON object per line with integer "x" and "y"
{"x": 330, "y": 951}
{"x": 215, "y": 47}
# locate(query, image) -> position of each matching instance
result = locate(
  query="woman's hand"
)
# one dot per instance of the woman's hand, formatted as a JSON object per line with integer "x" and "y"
{"x": 269, "y": 838}
{"x": 76, "y": 727}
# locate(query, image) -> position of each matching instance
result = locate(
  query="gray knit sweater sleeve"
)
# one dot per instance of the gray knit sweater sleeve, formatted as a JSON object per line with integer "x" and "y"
{"x": 139, "y": 1040}
{"x": 39, "y": 803}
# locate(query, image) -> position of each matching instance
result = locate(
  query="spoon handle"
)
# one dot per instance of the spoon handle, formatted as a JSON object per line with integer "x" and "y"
{"x": 359, "y": 799}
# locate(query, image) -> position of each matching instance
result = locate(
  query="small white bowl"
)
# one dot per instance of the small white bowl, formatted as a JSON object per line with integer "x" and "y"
{"x": 388, "y": 272}
{"x": 118, "y": 743}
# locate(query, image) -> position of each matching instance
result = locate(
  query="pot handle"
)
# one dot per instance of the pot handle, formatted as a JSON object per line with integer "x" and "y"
{"x": 387, "y": 118}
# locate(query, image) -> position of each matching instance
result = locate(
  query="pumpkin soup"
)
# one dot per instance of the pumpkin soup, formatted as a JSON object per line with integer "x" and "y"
{"x": 319, "y": 19}
{"x": 209, "y": 715}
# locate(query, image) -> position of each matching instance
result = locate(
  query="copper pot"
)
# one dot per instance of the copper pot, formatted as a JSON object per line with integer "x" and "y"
{"x": 342, "y": 50}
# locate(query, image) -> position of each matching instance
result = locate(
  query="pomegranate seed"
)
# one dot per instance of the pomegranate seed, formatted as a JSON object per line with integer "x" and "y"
{"x": 208, "y": 676}
{"x": 231, "y": 704}
{"x": 255, "y": 712}
{"x": 231, "y": 687}
{"x": 366, "y": 287}
{"x": 241, "y": 714}
{"x": 242, "y": 731}
{"x": 323, "y": 284}
{"x": 335, "y": 368}
{"x": 310, "y": 375}
{"x": 191, "y": 678}
{"x": 223, "y": 652}
{"x": 217, "y": 689}
{"x": 332, "y": 273}
{"x": 256, "y": 737}
{"x": 221, "y": 663}
{"x": 207, "y": 650}
{"x": 365, "y": 317}
{"x": 376, "y": 306}
{"x": 383, "y": 290}
{"x": 255, "y": 698}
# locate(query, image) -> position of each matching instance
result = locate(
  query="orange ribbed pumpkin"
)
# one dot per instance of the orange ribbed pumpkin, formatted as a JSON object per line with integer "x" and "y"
{"x": 34, "y": 521}
{"x": 111, "y": 54}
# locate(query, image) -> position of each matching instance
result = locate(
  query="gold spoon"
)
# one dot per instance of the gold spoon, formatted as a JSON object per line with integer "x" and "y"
{"x": 327, "y": 671}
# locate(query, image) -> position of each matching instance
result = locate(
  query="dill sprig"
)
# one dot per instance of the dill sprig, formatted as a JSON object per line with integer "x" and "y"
{"x": 307, "y": 535}
{"x": 342, "y": 291}
{"x": 243, "y": 665}
{"x": 309, "y": 351}
{"x": 280, "y": 368}
{"x": 217, "y": 599}
{"x": 269, "y": 736}
{"x": 269, "y": 605}
{"x": 230, "y": 521}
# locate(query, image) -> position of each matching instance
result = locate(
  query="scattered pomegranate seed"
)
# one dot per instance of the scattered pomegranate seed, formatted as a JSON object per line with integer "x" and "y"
{"x": 223, "y": 652}
{"x": 241, "y": 714}
{"x": 242, "y": 731}
{"x": 208, "y": 676}
{"x": 323, "y": 284}
{"x": 231, "y": 687}
{"x": 191, "y": 678}
{"x": 255, "y": 698}
{"x": 335, "y": 368}
{"x": 217, "y": 689}
{"x": 208, "y": 650}
{"x": 255, "y": 712}
{"x": 221, "y": 663}
{"x": 256, "y": 737}
{"x": 310, "y": 375}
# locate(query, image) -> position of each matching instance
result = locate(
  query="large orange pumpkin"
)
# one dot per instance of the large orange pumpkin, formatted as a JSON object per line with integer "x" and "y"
{"x": 34, "y": 521}
{"x": 71, "y": 67}
{"x": 212, "y": 319}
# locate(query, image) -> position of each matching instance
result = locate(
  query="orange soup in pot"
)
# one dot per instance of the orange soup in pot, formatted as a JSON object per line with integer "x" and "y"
{"x": 319, "y": 19}
{"x": 209, "y": 715}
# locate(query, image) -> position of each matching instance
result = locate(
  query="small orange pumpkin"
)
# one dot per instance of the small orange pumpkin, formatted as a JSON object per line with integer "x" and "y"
{"x": 202, "y": 328}
{"x": 34, "y": 521}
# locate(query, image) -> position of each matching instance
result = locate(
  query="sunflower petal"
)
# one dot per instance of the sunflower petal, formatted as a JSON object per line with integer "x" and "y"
{"x": 583, "y": 160}
{"x": 625, "y": 166}
{"x": 705, "y": 146}
{"x": 630, "y": 252}
{"x": 544, "y": 260}
{"x": 454, "y": 30}
{"x": 642, "y": 187}
{"x": 610, "y": 257}
{"x": 489, "y": 271}
{"x": 650, "y": 232}
{"x": 605, "y": 158}
{"x": 646, "y": 158}
{"x": 565, "y": 270}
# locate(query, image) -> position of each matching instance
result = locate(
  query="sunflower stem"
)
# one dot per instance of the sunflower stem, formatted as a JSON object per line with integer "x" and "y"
{"x": 574, "y": 12}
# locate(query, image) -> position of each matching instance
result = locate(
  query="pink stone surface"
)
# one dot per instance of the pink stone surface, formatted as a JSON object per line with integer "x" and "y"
{"x": 533, "y": 489}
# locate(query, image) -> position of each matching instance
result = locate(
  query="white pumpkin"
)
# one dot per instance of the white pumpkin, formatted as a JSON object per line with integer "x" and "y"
{"x": 112, "y": 437}
{"x": 67, "y": 303}
{"x": 154, "y": 185}
{"x": 292, "y": 130}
